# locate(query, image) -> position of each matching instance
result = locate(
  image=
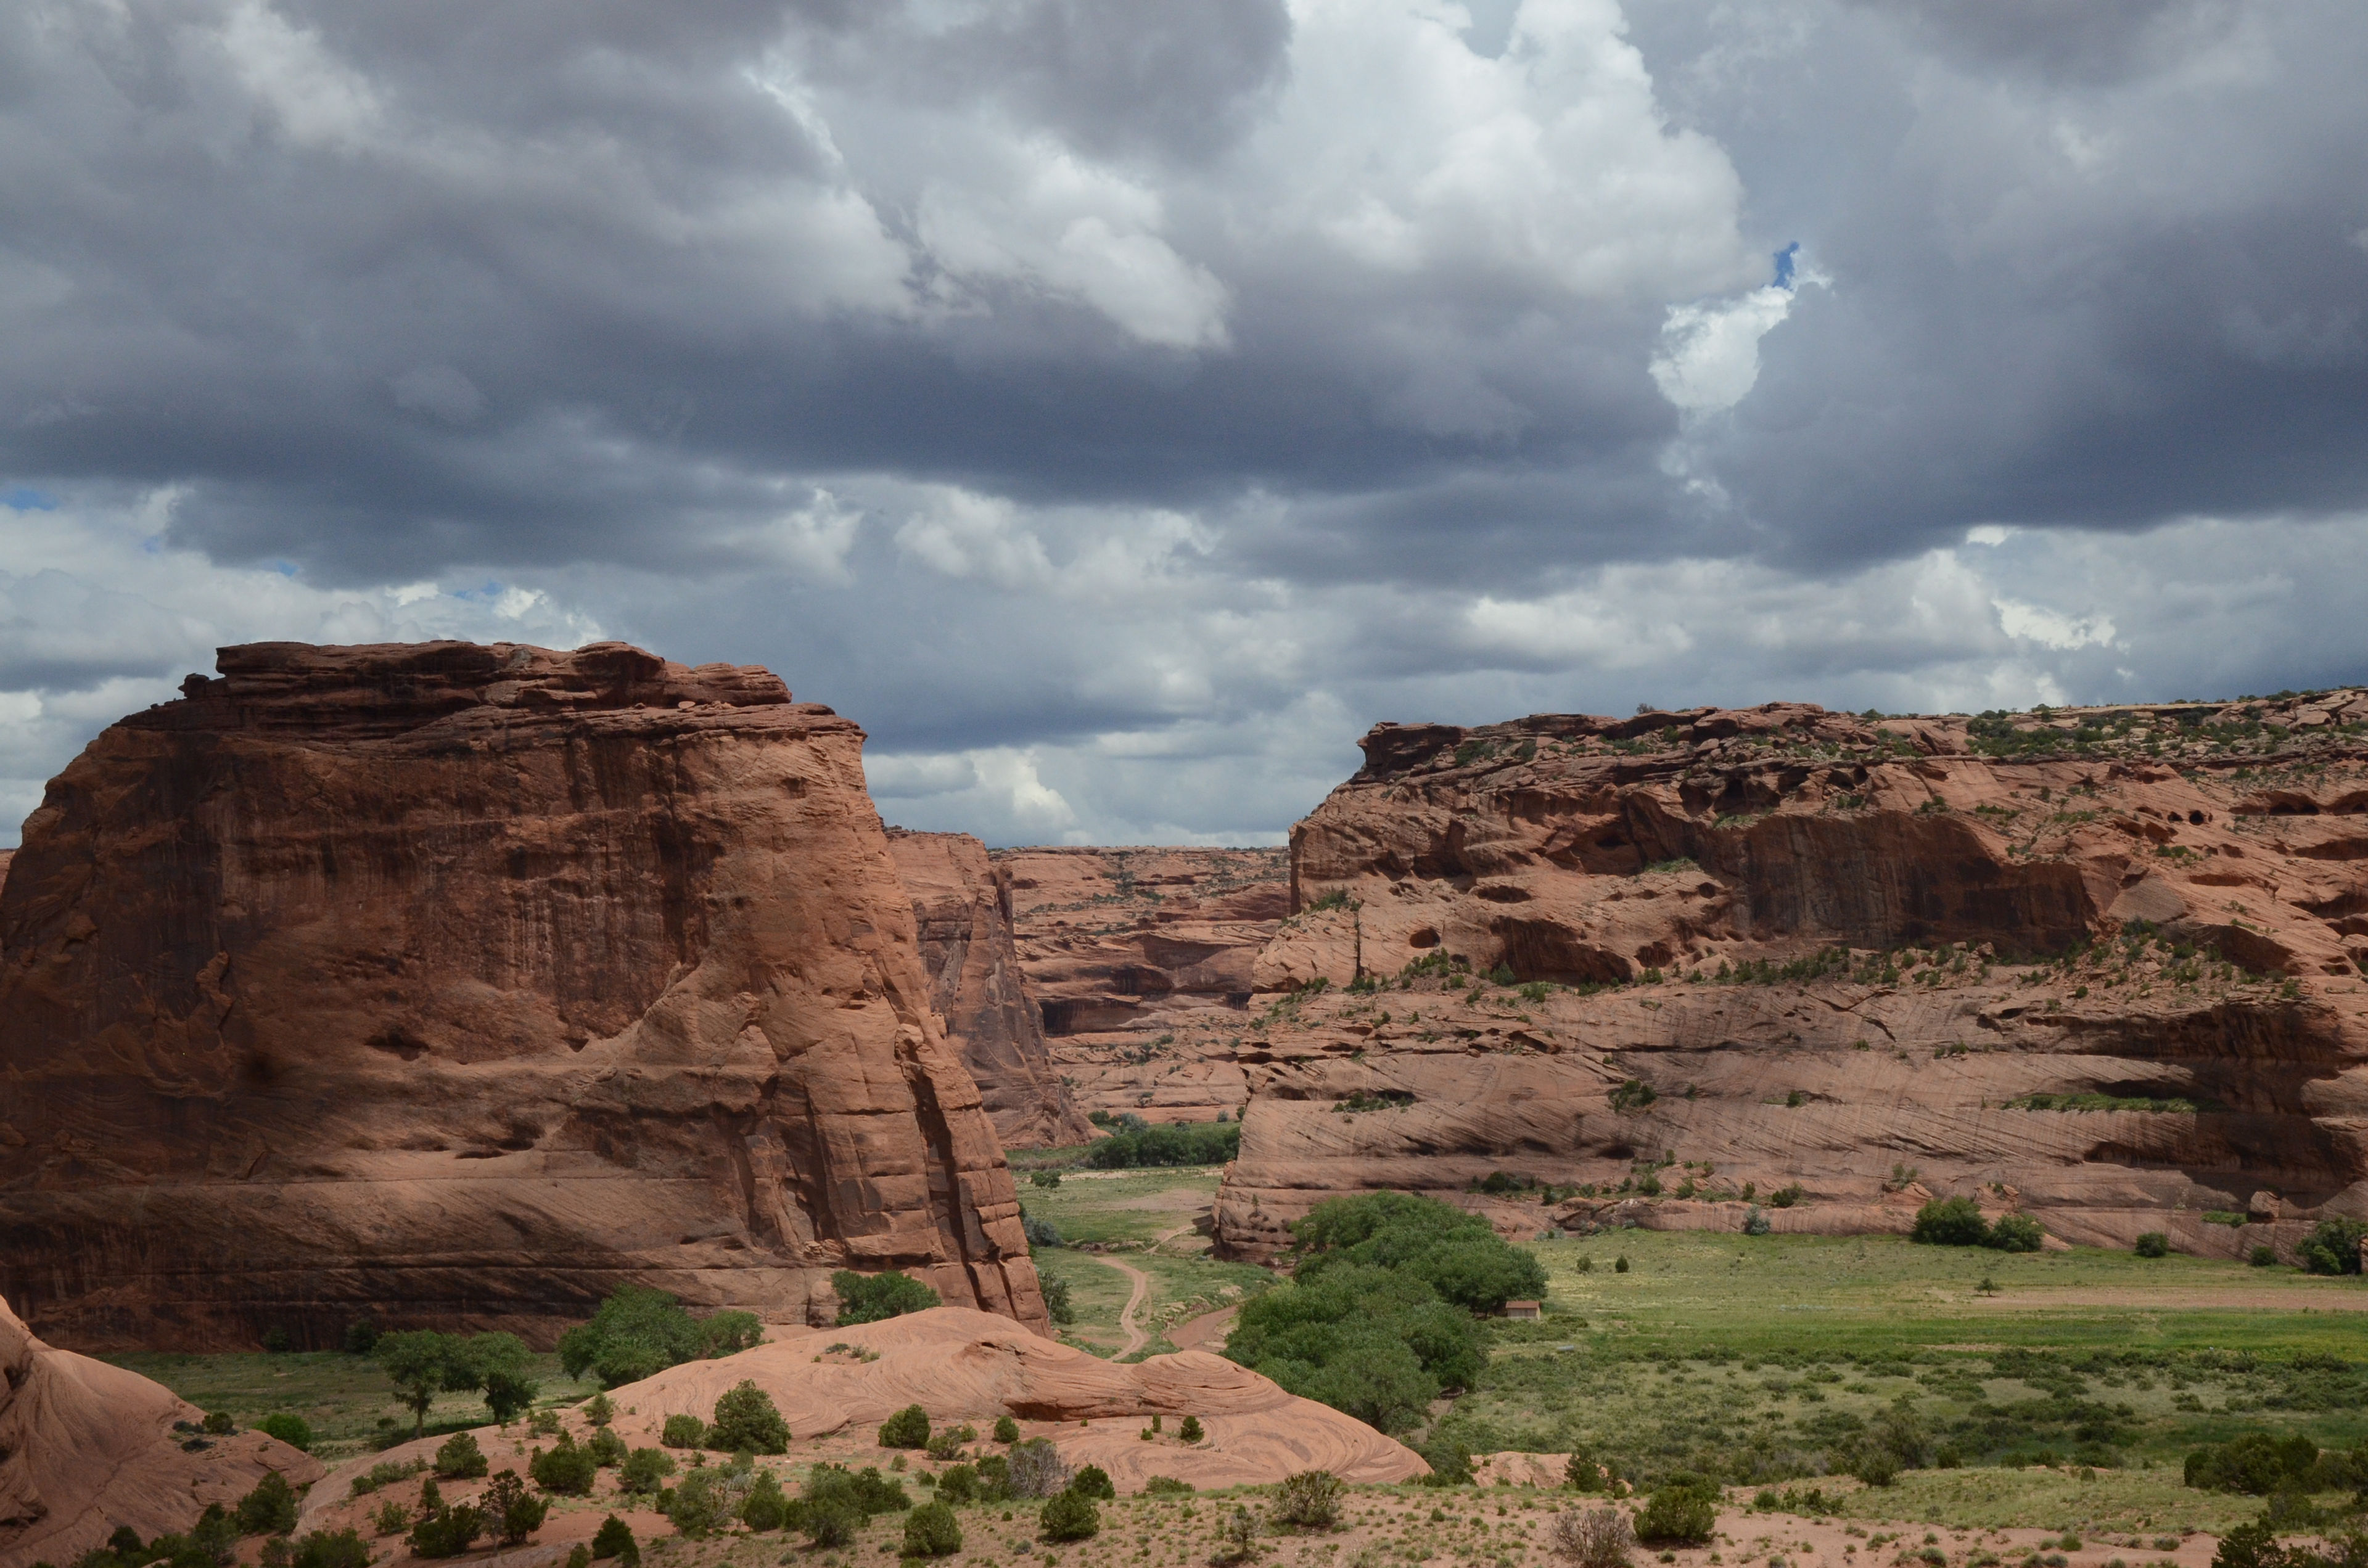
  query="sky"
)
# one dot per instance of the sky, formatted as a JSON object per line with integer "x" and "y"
{"x": 1118, "y": 408}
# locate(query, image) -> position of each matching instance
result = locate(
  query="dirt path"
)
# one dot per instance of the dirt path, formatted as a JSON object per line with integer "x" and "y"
{"x": 1135, "y": 1337}
{"x": 1206, "y": 1332}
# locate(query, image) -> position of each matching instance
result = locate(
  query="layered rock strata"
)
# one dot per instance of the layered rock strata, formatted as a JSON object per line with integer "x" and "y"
{"x": 454, "y": 984}
{"x": 87, "y": 1447}
{"x": 2103, "y": 966}
{"x": 1139, "y": 962}
{"x": 961, "y": 909}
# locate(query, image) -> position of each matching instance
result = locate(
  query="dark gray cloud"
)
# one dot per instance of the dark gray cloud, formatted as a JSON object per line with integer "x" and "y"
{"x": 1105, "y": 402}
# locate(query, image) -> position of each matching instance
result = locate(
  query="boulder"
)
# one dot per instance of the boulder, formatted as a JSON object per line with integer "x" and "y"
{"x": 85, "y": 1447}
{"x": 455, "y": 984}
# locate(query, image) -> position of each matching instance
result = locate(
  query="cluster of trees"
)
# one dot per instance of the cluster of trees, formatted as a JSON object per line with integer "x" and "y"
{"x": 639, "y": 1333}
{"x": 422, "y": 1363}
{"x": 1378, "y": 1318}
{"x": 1958, "y": 1222}
{"x": 1167, "y": 1143}
{"x": 873, "y": 1298}
{"x": 213, "y": 1541}
{"x": 2261, "y": 1465}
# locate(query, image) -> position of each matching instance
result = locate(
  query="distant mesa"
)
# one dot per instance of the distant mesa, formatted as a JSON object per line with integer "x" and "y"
{"x": 452, "y": 984}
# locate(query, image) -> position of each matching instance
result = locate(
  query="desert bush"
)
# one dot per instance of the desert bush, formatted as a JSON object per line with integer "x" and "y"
{"x": 2152, "y": 1244}
{"x": 2016, "y": 1233}
{"x": 361, "y": 1337}
{"x": 1068, "y": 1517}
{"x": 331, "y": 1549}
{"x": 958, "y": 1483}
{"x": 1599, "y": 1538}
{"x": 292, "y": 1430}
{"x": 1682, "y": 1509}
{"x": 909, "y": 1428}
{"x": 600, "y": 1410}
{"x": 1449, "y": 1461}
{"x": 512, "y": 1513}
{"x": 393, "y": 1517}
{"x": 1166, "y": 1486}
{"x": 829, "y": 1525}
{"x": 270, "y": 1509}
{"x": 2334, "y": 1246}
{"x": 993, "y": 1477}
{"x": 1951, "y": 1222}
{"x": 944, "y": 1445}
{"x": 566, "y": 1468}
{"x": 1093, "y": 1480}
{"x": 638, "y": 1332}
{"x": 1056, "y": 1301}
{"x": 1754, "y": 1221}
{"x": 1580, "y": 1472}
{"x": 1190, "y": 1431}
{"x": 747, "y": 1421}
{"x": 878, "y": 1297}
{"x": 865, "y": 1490}
{"x": 1876, "y": 1467}
{"x": 2254, "y": 1463}
{"x": 614, "y": 1538}
{"x": 1037, "y": 1468}
{"x": 931, "y": 1530}
{"x": 644, "y": 1471}
{"x": 700, "y": 1503}
{"x": 1308, "y": 1501}
{"x": 458, "y": 1458}
{"x": 1168, "y": 1143}
{"x": 2263, "y": 1257}
{"x": 1006, "y": 1430}
{"x": 607, "y": 1448}
{"x": 1237, "y": 1537}
{"x": 446, "y": 1529}
{"x": 683, "y": 1430}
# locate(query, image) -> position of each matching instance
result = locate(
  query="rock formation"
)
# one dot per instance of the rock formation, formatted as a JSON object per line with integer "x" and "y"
{"x": 962, "y": 908}
{"x": 2104, "y": 966}
{"x": 1139, "y": 962}
{"x": 835, "y": 1387}
{"x": 455, "y": 984}
{"x": 86, "y": 1446}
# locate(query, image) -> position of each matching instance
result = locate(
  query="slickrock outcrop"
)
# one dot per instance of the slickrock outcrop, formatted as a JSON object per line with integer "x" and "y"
{"x": 962, "y": 908}
{"x": 835, "y": 1387}
{"x": 2104, "y": 966}
{"x": 86, "y": 1446}
{"x": 1139, "y": 961}
{"x": 455, "y": 984}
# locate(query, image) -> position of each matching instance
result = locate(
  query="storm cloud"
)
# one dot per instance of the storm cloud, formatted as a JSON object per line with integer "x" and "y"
{"x": 1116, "y": 407}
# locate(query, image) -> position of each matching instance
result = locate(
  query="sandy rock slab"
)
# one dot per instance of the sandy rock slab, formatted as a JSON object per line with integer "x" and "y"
{"x": 86, "y": 1446}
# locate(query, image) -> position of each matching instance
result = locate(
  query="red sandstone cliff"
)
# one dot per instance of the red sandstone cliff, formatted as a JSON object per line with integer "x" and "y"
{"x": 962, "y": 908}
{"x": 2165, "y": 908}
{"x": 457, "y": 984}
{"x": 1139, "y": 962}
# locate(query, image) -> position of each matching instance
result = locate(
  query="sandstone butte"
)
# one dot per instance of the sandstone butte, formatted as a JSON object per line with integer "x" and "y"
{"x": 453, "y": 984}
{"x": 86, "y": 1446}
{"x": 835, "y": 1387}
{"x": 2104, "y": 967}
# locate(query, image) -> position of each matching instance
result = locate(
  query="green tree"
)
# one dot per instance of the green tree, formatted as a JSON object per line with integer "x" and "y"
{"x": 332, "y": 1549}
{"x": 416, "y": 1361}
{"x": 931, "y": 1530}
{"x": 1006, "y": 1430}
{"x": 875, "y": 1298}
{"x": 565, "y": 1469}
{"x": 1951, "y": 1222}
{"x": 615, "y": 1539}
{"x": 683, "y": 1430}
{"x": 765, "y": 1508}
{"x": 290, "y": 1429}
{"x": 747, "y": 1421}
{"x": 1068, "y": 1517}
{"x": 700, "y": 1503}
{"x": 512, "y": 1512}
{"x": 270, "y": 1508}
{"x": 909, "y": 1428}
{"x": 1683, "y": 1509}
{"x": 644, "y": 1471}
{"x": 638, "y": 1332}
{"x": 458, "y": 1458}
{"x": 2016, "y": 1233}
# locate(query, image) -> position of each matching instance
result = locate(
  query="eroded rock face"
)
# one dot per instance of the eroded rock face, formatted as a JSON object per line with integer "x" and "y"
{"x": 457, "y": 984}
{"x": 1139, "y": 962}
{"x": 1925, "y": 879}
{"x": 961, "y": 909}
{"x": 86, "y": 1446}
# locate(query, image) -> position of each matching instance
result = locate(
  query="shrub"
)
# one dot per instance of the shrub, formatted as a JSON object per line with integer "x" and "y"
{"x": 1755, "y": 1223}
{"x": 638, "y": 1332}
{"x": 1166, "y": 1486}
{"x": 1239, "y": 1536}
{"x": 1006, "y": 1430}
{"x": 2334, "y": 1246}
{"x": 747, "y": 1421}
{"x": 446, "y": 1531}
{"x": 1093, "y": 1480}
{"x": 2016, "y": 1233}
{"x": 1056, "y": 1301}
{"x": 1309, "y": 1501}
{"x": 993, "y": 1477}
{"x": 600, "y": 1410}
{"x": 218, "y": 1422}
{"x": 683, "y": 1430}
{"x": 947, "y": 1442}
{"x": 1598, "y": 1537}
{"x": 1876, "y": 1466}
{"x": 878, "y": 1297}
{"x": 460, "y": 1458}
{"x": 361, "y": 1337}
{"x": 1068, "y": 1517}
{"x": 2153, "y": 1243}
{"x": 292, "y": 1430}
{"x": 270, "y": 1509}
{"x": 909, "y": 1428}
{"x": 865, "y": 1490}
{"x": 1037, "y": 1468}
{"x": 931, "y": 1530}
{"x": 393, "y": 1517}
{"x": 1683, "y": 1509}
{"x": 1449, "y": 1461}
{"x": 2263, "y": 1256}
{"x": 1581, "y": 1473}
{"x": 829, "y": 1526}
{"x": 699, "y": 1505}
{"x": 607, "y": 1448}
{"x": 1620, "y": 1264}
{"x": 615, "y": 1539}
{"x": 1166, "y": 1144}
{"x": 511, "y": 1511}
{"x": 566, "y": 1469}
{"x": 1190, "y": 1432}
{"x": 765, "y": 1508}
{"x": 332, "y": 1549}
{"x": 644, "y": 1471}
{"x": 276, "y": 1341}
{"x": 2254, "y": 1463}
{"x": 1951, "y": 1222}
{"x": 959, "y": 1483}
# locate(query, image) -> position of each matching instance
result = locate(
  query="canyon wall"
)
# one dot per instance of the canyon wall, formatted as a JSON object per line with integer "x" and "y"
{"x": 2103, "y": 966}
{"x": 454, "y": 984}
{"x": 961, "y": 910}
{"x": 1139, "y": 962}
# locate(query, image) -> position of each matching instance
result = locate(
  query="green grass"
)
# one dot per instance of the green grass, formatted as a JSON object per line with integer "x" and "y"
{"x": 2136, "y": 1501}
{"x": 1136, "y": 1206}
{"x": 1150, "y": 1219}
{"x": 345, "y": 1399}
